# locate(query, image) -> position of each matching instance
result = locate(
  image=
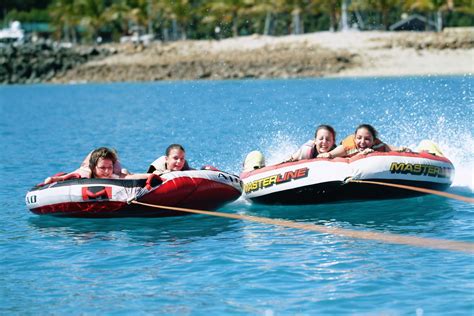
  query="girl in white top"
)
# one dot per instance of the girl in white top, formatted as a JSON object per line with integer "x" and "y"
{"x": 174, "y": 160}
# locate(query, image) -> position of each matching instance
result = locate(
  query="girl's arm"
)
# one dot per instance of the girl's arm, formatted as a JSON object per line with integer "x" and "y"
{"x": 136, "y": 176}
{"x": 295, "y": 156}
{"x": 339, "y": 151}
{"x": 400, "y": 149}
{"x": 64, "y": 177}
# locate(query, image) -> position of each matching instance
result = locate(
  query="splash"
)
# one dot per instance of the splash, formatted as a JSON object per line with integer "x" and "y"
{"x": 440, "y": 113}
{"x": 278, "y": 148}
{"x": 461, "y": 155}
{"x": 455, "y": 139}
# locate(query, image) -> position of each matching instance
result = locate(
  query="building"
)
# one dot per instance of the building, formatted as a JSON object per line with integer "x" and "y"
{"x": 414, "y": 22}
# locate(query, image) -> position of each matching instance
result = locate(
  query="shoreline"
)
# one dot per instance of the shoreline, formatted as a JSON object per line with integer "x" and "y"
{"x": 420, "y": 64}
{"x": 321, "y": 54}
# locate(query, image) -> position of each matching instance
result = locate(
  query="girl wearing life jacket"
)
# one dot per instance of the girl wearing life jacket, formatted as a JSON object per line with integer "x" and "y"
{"x": 324, "y": 141}
{"x": 362, "y": 142}
{"x": 174, "y": 160}
{"x": 101, "y": 163}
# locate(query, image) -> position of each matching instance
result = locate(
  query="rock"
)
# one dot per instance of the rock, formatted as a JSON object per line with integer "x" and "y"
{"x": 40, "y": 62}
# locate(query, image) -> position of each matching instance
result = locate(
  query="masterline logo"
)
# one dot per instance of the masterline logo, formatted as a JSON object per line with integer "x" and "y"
{"x": 276, "y": 179}
{"x": 420, "y": 170}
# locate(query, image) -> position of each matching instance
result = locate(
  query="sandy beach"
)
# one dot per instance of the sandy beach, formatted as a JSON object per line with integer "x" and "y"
{"x": 322, "y": 54}
{"x": 410, "y": 54}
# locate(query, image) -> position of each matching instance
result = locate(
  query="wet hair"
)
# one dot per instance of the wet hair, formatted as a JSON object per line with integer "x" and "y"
{"x": 368, "y": 127}
{"x": 174, "y": 146}
{"x": 328, "y": 128}
{"x": 104, "y": 153}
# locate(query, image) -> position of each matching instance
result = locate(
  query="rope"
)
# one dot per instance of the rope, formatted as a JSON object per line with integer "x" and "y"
{"x": 408, "y": 187}
{"x": 384, "y": 237}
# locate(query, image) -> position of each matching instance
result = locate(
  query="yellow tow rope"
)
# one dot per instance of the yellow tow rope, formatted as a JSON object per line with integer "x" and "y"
{"x": 409, "y": 187}
{"x": 384, "y": 237}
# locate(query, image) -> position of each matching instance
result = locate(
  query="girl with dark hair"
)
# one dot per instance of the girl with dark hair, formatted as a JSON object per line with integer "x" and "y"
{"x": 174, "y": 160}
{"x": 362, "y": 142}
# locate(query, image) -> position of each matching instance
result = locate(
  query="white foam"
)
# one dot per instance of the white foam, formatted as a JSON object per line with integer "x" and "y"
{"x": 279, "y": 148}
{"x": 461, "y": 153}
{"x": 453, "y": 137}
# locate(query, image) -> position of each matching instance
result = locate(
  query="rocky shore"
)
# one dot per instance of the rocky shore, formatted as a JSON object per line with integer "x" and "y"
{"x": 42, "y": 62}
{"x": 200, "y": 60}
{"x": 308, "y": 55}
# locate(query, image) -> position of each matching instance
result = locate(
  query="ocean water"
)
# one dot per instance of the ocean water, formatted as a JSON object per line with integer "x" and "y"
{"x": 201, "y": 265}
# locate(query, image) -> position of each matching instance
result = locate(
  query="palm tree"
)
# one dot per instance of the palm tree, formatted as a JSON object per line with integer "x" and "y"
{"x": 176, "y": 12}
{"x": 180, "y": 11}
{"x": 65, "y": 17}
{"x": 118, "y": 13}
{"x": 267, "y": 8}
{"x": 228, "y": 11}
{"x": 139, "y": 12}
{"x": 465, "y": 6}
{"x": 93, "y": 16}
{"x": 297, "y": 9}
{"x": 382, "y": 6}
{"x": 329, "y": 7}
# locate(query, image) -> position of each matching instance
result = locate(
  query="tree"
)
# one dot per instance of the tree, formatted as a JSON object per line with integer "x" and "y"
{"x": 180, "y": 13}
{"x": 297, "y": 9}
{"x": 329, "y": 7}
{"x": 384, "y": 7}
{"x": 24, "y": 5}
{"x": 268, "y": 10}
{"x": 118, "y": 15}
{"x": 65, "y": 16}
{"x": 228, "y": 12}
{"x": 92, "y": 16}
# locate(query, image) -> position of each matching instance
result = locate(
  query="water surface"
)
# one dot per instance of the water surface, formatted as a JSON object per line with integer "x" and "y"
{"x": 206, "y": 265}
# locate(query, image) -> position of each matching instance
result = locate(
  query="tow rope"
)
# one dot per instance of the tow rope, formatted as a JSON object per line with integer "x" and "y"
{"x": 383, "y": 237}
{"x": 409, "y": 187}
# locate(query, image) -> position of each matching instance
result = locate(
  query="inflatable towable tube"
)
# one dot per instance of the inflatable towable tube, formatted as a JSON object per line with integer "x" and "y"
{"x": 198, "y": 189}
{"x": 326, "y": 180}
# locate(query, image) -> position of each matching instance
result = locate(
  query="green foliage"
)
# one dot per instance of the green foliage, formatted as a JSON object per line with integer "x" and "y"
{"x": 85, "y": 20}
{"x": 459, "y": 19}
{"x": 33, "y": 15}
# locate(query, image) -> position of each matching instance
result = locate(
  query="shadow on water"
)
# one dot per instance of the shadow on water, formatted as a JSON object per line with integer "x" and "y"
{"x": 139, "y": 229}
{"x": 420, "y": 215}
{"x": 426, "y": 214}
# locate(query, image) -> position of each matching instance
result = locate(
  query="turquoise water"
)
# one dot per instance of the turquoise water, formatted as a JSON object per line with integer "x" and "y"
{"x": 199, "y": 265}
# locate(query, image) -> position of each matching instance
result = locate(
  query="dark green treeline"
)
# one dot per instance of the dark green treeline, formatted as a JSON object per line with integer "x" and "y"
{"x": 86, "y": 20}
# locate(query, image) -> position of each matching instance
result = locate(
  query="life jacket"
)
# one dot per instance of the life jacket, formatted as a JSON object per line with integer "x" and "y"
{"x": 351, "y": 148}
{"x": 160, "y": 165}
{"x": 306, "y": 151}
